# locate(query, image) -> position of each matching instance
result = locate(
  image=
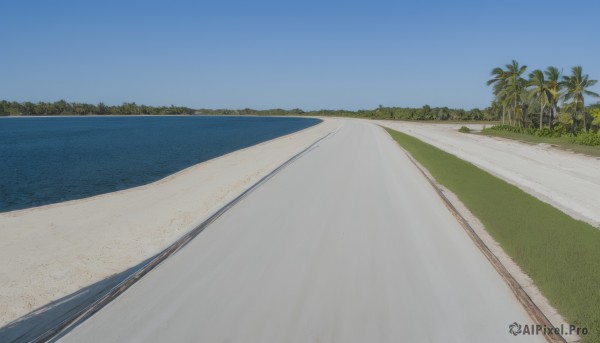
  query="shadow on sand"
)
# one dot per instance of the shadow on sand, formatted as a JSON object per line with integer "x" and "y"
{"x": 40, "y": 323}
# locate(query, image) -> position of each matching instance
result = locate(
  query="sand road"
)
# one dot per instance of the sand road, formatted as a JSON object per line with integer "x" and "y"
{"x": 349, "y": 243}
{"x": 565, "y": 180}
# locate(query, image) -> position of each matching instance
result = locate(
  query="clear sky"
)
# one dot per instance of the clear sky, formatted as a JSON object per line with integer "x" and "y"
{"x": 285, "y": 54}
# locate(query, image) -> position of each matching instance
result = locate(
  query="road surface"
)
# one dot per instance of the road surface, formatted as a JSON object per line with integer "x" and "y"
{"x": 349, "y": 243}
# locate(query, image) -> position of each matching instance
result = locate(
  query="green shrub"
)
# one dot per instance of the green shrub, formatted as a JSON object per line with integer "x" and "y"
{"x": 556, "y": 133}
{"x": 581, "y": 138}
{"x": 515, "y": 129}
{"x": 464, "y": 129}
{"x": 504, "y": 128}
{"x": 545, "y": 132}
{"x": 589, "y": 138}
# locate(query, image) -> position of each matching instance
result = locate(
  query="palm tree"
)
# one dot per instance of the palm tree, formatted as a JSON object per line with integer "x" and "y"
{"x": 576, "y": 86}
{"x": 554, "y": 88}
{"x": 499, "y": 82}
{"x": 514, "y": 89}
{"x": 539, "y": 90}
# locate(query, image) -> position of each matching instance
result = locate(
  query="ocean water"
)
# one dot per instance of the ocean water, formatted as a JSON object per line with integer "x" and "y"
{"x": 49, "y": 160}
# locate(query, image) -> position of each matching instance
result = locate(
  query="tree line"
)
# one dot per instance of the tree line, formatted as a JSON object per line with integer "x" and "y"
{"x": 544, "y": 102}
{"x": 493, "y": 113}
{"x": 399, "y": 113}
{"x": 62, "y": 107}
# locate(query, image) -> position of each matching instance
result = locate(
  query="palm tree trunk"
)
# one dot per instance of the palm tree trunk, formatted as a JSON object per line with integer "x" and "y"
{"x": 551, "y": 117}
{"x": 515, "y": 112}
{"x": 573, "y": 120}
{"x": 513, "y": 117}
{"x": 541, "y": 112}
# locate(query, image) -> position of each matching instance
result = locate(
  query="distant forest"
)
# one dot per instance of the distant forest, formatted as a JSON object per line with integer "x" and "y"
{"x": 61, "y": 107}
{"x": 403, "y": 113}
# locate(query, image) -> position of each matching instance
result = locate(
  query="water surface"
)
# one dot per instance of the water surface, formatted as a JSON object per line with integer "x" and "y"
{"x": 49, "y": 160}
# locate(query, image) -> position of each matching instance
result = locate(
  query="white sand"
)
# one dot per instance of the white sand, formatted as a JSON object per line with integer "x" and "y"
{"x": 567, "y": 181}
{"x": 52, "y": 251}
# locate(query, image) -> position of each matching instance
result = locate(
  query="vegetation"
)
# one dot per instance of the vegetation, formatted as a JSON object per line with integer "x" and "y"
{"x": 561, "y": 142}
{"x": 559, "y": 253}
{"x": 584, "y": 138}
{"x": 531, "y": 106}
{"x": 62, "y": 107}
{"x": 464, "y": 129}
{"x": 401, "y": 113}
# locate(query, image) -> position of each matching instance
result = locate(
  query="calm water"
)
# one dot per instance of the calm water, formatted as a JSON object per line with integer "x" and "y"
{"x": 49, "y": 160}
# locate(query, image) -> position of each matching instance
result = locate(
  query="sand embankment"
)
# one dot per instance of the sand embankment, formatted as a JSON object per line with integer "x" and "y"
{"x": 567, "y": 181}
{"x": 51, "y": 251}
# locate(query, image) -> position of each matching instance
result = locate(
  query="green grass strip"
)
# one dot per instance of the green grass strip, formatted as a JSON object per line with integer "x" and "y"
{"x": 560, "y": 254}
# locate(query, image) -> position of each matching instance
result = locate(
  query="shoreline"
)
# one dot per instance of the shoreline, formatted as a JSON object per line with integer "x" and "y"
{"x": 54, "y": 250}
{"x": 165, "y": 115}
{"x": 37, "y": 184}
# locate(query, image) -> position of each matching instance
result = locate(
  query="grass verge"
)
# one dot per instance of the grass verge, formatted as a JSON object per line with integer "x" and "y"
{"x": 559, "y": 142}
{"x": 560, "y": 254}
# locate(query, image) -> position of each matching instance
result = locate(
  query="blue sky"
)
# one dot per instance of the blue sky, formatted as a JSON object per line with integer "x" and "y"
{"x": 285, "y": 54}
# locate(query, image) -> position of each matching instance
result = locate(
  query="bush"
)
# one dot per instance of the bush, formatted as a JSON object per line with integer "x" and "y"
{"x": 587, "y": 139}
{"x": 515, "y": 129}
{"x": 560, "y": 131}
{"x": 464, "y": 129}
{"x": 504, "y": 128}
{"x": 581, "y": 138}
{"x": 545, "y": 132}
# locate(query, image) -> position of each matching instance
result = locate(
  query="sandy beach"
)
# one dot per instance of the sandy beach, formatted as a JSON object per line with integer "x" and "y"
{"x": 51, "y": 251}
